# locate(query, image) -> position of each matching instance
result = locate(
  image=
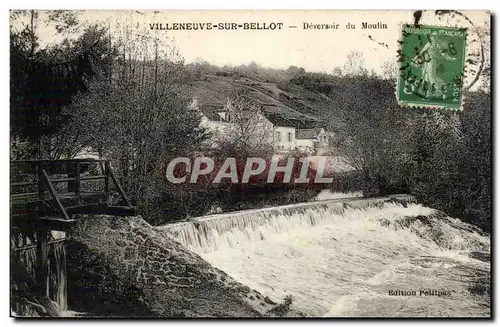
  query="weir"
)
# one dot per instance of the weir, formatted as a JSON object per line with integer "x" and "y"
{"x": 342, "y": 257}
{"x": 208, "y": 233}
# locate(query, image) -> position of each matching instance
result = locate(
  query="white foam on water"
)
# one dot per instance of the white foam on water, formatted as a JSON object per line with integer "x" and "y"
{"x": 329, "y": 195}
{"x": 343, "y": 262}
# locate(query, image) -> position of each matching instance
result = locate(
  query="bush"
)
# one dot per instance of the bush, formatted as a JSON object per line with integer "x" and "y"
{"x": 345, "y": 182}
{"x": 440, "y": 156}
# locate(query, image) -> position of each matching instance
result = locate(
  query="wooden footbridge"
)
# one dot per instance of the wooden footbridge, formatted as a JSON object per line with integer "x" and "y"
{"x": 47, "y": 197}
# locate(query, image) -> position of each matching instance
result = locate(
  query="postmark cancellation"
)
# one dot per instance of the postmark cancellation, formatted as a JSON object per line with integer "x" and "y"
{"x": 431, "y": 67}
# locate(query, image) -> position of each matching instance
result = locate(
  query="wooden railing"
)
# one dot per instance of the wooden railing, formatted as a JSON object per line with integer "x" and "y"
{"x": 36, "y": 189}
{"x": 47, "y": 194}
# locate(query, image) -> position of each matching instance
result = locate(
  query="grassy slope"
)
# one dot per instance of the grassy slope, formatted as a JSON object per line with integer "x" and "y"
{"x": 288, "y": 100}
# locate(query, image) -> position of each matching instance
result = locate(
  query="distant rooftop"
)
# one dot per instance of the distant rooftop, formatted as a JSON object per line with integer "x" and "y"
{"x": 210, "y": 111}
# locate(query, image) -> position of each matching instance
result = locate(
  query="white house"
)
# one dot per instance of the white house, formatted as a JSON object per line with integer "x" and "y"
{"x": 215, "y": 120}
{"x": 284, "y": 136}
{"x": 287, "y": 131}
{"x": 313, "y": 140}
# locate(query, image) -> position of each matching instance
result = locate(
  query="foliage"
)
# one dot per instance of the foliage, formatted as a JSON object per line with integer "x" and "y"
{"x": 44, "y": 79}
{"x": 350, "y": 181}
{"x": 250, "y": 133}
{"x": 140, "y": 121}
{"x": 451, "y": 161}
{"x": 442, "y": 157}
{"x": 369, "y": 136}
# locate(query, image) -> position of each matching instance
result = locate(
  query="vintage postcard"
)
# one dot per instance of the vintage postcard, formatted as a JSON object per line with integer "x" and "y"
{"x": 250, "y": 164}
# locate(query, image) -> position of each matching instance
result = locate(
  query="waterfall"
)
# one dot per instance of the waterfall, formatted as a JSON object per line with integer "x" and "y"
{"x": 342, "y": 257}
{"x": 28, "y": 259}
{"x": 59, "y": 254}
{"x": 26, "y": 254}
{"x": 209, "y": 233}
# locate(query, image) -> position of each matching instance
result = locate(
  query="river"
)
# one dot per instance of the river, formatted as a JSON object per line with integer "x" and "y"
{"x": 345, "y": 260}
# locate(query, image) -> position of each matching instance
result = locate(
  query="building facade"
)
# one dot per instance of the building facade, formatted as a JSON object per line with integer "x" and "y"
{"x": 286, "y": 135}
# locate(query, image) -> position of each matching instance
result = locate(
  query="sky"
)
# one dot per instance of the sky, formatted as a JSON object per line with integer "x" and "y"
{"x": 314, "y": 50}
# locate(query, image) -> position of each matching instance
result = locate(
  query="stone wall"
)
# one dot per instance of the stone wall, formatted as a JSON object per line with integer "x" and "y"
{"x": 122, "y": 266}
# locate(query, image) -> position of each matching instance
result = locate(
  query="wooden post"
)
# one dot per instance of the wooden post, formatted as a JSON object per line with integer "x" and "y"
{"x": 120, "y": 189}
{"x": 107, "y": 170}
{"x": 53, "y": 193}
{"x": 63, "y": 300}
{"x": 77, "y": 183}
{"x": 41, "y": 183}
{"x": 42, "y": 272}
{"x": 41, "y": 189}
{"x": 73, "y": 171}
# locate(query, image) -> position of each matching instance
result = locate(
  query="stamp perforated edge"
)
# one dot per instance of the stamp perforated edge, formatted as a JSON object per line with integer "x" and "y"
{"x": 404, "y": 104}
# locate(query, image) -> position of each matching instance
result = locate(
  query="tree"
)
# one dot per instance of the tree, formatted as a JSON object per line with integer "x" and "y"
{"x": 249, "y": 132}
{"x": 440, "y": 156}
{"x": 451, "y": 160}
{"x": 337, "y": 71}
{"x": 355, "y": 64}
{"x": 389, "y": 70}
{"x": 44, "y": 79}
{"x": 369, "y": 130}
{"x": 139, "y": 118}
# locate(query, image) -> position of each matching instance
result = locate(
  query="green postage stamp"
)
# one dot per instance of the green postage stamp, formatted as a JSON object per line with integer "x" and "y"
{"x": 431, "y": 69}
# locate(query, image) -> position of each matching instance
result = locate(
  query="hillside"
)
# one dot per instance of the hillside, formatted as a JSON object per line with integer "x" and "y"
{"x": 285, "y": 100}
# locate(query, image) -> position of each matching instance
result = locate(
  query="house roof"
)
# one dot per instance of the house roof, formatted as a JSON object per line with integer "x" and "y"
{"x": 212, "y": 94}
{"x": 307, "y": 134}
{"x": 281, "y": 120}
{"x": 210, "y": 111}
